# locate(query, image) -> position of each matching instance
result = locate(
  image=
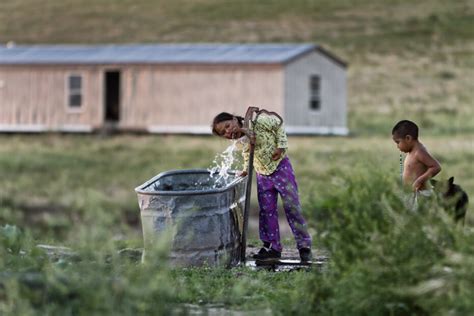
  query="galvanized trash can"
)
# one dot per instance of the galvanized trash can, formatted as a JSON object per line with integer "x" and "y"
{"x": 205, "y": 218}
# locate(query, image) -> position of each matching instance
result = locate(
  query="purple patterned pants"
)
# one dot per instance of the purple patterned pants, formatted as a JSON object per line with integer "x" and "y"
{"x": 281, "y": 181}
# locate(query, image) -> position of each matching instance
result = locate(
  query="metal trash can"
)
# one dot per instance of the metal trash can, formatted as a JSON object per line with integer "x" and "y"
{"x": 205, "y": 217}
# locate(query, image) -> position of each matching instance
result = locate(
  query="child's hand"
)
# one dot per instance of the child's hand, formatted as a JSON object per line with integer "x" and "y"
{"x": 242, "y": 173}
{"x": 251, "y": 136}
{"x": 418, "y": 184}
{"x": 277, "y": 153}
{"x": 249, "y": 133}
{"x": 235, "y": 131}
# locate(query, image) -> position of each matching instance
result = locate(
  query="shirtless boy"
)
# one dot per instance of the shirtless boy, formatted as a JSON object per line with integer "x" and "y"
{"x": 419, "y": 165}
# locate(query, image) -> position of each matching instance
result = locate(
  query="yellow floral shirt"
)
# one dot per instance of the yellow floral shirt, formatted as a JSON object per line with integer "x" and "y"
{"x": 269, "y": 136}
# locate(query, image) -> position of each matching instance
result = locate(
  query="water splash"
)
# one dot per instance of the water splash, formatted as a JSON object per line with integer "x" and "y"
{"x": 222, "y": 164}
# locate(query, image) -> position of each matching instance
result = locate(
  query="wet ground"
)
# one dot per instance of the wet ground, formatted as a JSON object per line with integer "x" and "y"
{"x": 290, "y": 260}
{"x": 217, "y": 310}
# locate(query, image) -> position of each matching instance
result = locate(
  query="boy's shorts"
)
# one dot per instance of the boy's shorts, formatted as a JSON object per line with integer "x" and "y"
{"x": 413, "y": 199}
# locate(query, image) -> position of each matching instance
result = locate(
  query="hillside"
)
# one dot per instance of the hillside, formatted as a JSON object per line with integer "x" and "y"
{"x": 406, "y": 59}
{"x": 351, "y": 26}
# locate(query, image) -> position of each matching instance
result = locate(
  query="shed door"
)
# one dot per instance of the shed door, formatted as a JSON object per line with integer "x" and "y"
{"x": 112, "y": 96}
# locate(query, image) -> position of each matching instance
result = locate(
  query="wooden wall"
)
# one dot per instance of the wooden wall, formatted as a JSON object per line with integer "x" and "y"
{"x": 332, "y": 116}
{"x": 176, "y": 97}
{"x": 36, "y": 96}
{"x": 162, "y": 98}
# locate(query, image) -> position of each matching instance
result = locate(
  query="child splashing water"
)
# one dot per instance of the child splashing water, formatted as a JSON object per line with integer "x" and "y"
{"x": 274, "y": 176}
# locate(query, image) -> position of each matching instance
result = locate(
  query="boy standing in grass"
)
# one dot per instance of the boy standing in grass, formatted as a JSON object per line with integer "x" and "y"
{"x": 419, "y": 165}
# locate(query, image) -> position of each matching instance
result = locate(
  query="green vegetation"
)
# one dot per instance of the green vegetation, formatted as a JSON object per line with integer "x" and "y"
{"x": 366, "y": 24}
{"x": 406, "y": 60}
{"x": 77, "y": 191}
{"x": 386, "y": 259}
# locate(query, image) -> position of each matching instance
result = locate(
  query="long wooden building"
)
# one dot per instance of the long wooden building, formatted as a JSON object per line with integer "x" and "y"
{"x": 169, "y": 88}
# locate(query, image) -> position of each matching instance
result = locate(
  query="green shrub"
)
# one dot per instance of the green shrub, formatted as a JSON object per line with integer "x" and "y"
{"x": 386, "y": 259}
{"x": 94, "y": 280}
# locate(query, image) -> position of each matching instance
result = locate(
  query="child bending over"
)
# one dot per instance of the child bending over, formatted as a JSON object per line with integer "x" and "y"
{"x": 274, "y": 176}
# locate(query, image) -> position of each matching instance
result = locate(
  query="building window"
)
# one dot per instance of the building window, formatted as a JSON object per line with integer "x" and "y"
{"x": 315, "y": 93}
{"x": 75, "y": 91}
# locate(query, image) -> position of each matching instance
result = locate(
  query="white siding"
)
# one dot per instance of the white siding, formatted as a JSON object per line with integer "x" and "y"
{"x": 34, "y": 98}
{"x": 185, "y": 98}
{"x": 176, "y": 98}
{"x": 332, "y": 116}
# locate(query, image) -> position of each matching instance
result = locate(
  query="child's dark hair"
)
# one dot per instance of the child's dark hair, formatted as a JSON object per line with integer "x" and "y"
{"x": 404, "y": 128}
{"x": 224, "y": 116}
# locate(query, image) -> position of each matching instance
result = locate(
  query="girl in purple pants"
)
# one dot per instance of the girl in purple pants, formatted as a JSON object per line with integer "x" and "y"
{"x": 275, "y": 177}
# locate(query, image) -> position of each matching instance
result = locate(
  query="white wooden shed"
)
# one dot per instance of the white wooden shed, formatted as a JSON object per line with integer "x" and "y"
{"x": 169, "y": 88}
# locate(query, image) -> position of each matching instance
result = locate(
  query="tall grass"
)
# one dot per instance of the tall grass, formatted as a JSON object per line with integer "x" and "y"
{"x": 387, "y": 259}
{"x": 93, "y": 280}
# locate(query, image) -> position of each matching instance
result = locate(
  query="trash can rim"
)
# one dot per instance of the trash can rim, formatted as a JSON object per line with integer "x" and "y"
{"x": 140, "y": 188}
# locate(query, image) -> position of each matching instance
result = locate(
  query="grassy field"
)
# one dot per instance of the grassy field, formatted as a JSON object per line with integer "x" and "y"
{"x": 406, "y": 60}
{"x": 77, "y": 191}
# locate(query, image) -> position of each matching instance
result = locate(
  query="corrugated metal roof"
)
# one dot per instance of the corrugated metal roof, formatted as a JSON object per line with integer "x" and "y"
{"x": 153, "y": 53}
